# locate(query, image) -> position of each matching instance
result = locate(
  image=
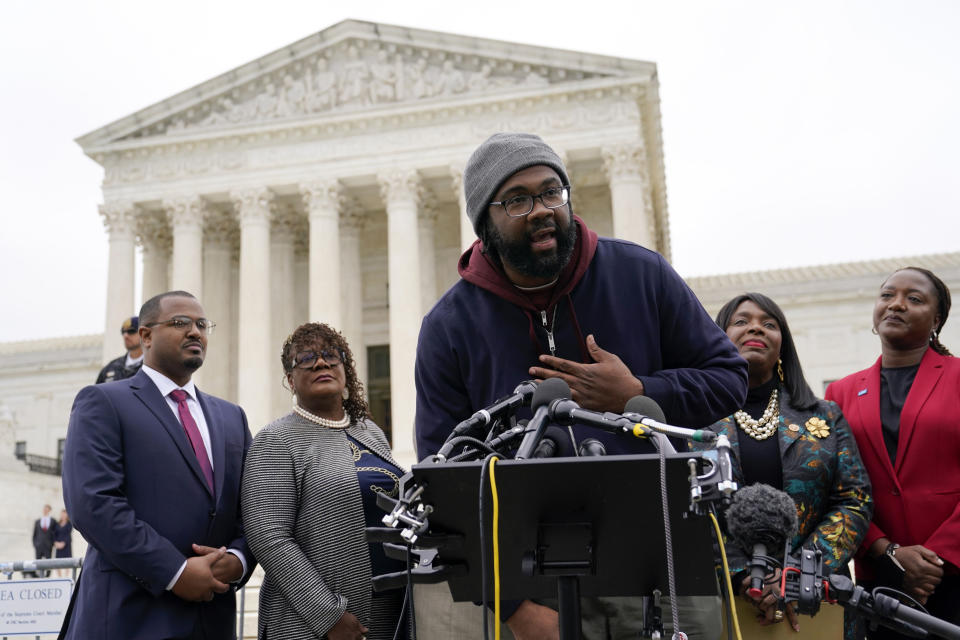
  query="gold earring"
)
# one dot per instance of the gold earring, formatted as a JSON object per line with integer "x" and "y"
{"x": 780, "y": 369}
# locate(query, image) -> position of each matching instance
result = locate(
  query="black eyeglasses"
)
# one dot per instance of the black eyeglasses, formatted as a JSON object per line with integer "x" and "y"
{"x": 519, "y": 206}
{"x": 308, "y": 359}
{"x": 183, "y": 323}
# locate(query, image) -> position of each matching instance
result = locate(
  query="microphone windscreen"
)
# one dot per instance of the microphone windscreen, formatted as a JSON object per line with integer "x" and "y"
{"x": 549, "y": 390}
{"x": 761, "y": 514}
{"x": 556, "y": 442}
{"x": 645, "y": 406}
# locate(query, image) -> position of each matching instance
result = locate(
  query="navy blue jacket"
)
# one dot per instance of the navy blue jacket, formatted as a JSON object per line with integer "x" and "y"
{"x": 475, "y": 346}
{"x": 134, "y": 489}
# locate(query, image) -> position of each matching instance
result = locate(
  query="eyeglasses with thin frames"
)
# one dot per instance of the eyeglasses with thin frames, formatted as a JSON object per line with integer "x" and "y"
{"x": 308, "y": 359}
{"x": 519, "y": 206}
{"x": 183, "y": 323}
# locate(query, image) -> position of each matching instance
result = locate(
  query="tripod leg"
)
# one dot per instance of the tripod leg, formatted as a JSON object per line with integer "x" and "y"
{"x": 568, "y": 594}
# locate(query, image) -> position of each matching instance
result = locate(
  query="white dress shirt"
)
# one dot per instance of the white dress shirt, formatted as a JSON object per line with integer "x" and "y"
{"x": 166, "y": 385}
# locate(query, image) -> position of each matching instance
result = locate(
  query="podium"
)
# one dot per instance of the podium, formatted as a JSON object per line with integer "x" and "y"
{"x": 589, "y": 526}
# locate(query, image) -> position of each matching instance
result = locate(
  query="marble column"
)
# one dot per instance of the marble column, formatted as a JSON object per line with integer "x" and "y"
{"x": 253, "y": 348}
{"x": 467, "y": 234}
{"x": 351, "y": 226}
{"x": 219, "y": 239}
{"x": 282, "y": 300}
{"x": 153, "y": 234}
{"x": 186, "y": 222}
{"x": 426, "y": 226}
{"x": 118, "y": 218}
{"x": 322, "y": 199}
{"x": 633, "y": 214}
{"x": 401, "y": 192}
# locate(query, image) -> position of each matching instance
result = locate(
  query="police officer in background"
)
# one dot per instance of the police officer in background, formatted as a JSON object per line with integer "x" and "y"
{"x": 128, "y": 364}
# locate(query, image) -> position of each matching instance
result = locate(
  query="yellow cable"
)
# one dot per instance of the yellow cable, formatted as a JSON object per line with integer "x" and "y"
{"x": 496, "y": 549}
{"x": 726, "y": 576}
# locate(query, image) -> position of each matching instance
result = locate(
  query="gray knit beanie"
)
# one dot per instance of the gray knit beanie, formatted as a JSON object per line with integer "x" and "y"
{"x": 498, "y": 158}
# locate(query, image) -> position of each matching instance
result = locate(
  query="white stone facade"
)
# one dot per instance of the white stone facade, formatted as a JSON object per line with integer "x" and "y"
{"x": 324, "y": 182}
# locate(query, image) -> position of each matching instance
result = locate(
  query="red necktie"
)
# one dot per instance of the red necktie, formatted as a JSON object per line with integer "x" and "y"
{"x": 193, "y": 433}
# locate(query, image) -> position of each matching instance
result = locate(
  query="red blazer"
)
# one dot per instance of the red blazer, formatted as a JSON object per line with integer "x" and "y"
{"x": 918, "y": 501}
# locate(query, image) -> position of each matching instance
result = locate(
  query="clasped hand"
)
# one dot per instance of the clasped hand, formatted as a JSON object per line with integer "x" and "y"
{"x": 209, "y": 572}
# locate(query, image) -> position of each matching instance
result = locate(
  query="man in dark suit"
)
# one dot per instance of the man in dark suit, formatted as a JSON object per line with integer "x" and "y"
{"x": 44, "y": 528}
{"x": 151, "y": 478}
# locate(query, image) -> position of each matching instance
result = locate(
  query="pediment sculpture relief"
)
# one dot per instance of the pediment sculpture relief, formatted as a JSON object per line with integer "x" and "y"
{"x": 355, "y": 77}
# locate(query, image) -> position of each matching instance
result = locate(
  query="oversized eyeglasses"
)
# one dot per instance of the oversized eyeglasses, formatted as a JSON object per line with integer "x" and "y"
{"x": 519, "y": 206}
{"x": 183, "y": 323}
{"x": 308, "y": 359}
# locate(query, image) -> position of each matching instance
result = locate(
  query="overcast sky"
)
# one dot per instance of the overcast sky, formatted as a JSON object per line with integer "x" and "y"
{"x": 825, "y": 132}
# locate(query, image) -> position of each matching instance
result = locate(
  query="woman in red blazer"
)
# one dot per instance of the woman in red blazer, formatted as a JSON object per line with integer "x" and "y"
{"x": 905, "y": 414}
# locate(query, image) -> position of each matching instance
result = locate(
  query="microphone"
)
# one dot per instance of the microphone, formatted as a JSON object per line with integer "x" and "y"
{"x": 567, "y": 412}
{"x": 549, "y": 390}
{"x": 761, "y": 518}
{"x": 592, "y": 447}
{"x": 550, "y": 444}
{"x": 646, "y": 411}
{"x": 521, "y": 396}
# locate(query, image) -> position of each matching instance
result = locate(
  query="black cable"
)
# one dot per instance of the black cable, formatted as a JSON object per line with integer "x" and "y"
{"x": 406, "y": 594}
{"x": 413, "y": 614}
{"x": 724, "y": 592}
{"x": 471, "y": 440}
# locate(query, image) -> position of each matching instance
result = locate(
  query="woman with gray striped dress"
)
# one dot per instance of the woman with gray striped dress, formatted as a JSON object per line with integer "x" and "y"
{"x": 309, "y": 489}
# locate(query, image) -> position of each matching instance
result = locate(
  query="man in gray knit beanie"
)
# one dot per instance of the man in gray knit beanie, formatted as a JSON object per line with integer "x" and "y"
{"x": 530, "y": 233}
{"x": 537, "y": 297}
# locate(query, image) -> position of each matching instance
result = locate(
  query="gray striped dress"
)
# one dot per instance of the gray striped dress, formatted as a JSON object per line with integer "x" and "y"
{"x": 303, "y": 517}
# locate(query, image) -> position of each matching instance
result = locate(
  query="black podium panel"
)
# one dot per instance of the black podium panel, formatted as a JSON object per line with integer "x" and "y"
{"x": 567, "y": 507}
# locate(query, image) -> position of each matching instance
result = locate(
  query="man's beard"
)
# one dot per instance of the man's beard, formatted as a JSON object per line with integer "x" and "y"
{"x": 193, "y": 363}
{"x": 522, "y": 258}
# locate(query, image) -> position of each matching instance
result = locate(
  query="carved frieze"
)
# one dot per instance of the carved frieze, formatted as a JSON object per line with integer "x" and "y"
{"x": 153, "y": 231}
{"x": 401, "y": 185}
{"x": 185, "y": 212}
{"x": 357, "y": 74}
{"x": 253, "y": 206}
{"x": 119, "y": 218}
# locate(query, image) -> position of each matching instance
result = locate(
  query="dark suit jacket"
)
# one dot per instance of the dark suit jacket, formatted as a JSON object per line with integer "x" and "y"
{"x": 918, "y": 500}
{"x": 824, "y": 476}
{"x": 43, "y": 540}
{"x": 134, "y": 489}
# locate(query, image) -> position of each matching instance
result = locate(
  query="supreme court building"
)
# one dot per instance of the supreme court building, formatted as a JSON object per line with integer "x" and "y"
{"x": 322, "y": 182}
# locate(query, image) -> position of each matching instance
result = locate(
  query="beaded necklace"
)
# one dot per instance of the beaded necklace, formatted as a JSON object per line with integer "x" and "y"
{"x": 343, "y": 423}
{"x": 766, "y": 426}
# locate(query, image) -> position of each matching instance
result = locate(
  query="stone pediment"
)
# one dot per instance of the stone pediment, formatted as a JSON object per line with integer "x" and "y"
{"x": 354, "y": 67}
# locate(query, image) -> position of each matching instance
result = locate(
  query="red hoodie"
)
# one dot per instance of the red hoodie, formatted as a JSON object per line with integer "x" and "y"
{"x": 478, "y": 268}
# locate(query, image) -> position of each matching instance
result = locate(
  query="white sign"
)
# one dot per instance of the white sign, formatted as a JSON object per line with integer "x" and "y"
{"x": 33, "y": 606}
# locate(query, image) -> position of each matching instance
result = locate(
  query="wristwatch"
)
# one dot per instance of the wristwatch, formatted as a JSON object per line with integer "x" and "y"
{"x": 891, "y": 552}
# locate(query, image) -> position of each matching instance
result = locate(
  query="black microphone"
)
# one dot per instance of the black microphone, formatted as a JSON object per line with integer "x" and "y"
{"x": 761, "y": 518}
{"x": 567, "y": 412}
{"x": 521, "y": 396}
{"x": 592, "y": 447}
{"x": 549, "y": 390}
{"x": 646, "y": 411}
{"x": 550, "y": 444}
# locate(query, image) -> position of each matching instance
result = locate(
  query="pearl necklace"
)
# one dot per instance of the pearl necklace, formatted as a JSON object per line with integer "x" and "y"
{"x": 343, "y": 423}
{"x": 766, "y": 426}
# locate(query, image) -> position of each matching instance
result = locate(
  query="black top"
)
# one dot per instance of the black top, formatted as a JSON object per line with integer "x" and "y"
{"x": 895, "y": 383}
{"x": 760, "y": 459}
{"x": 376, "y": 475}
